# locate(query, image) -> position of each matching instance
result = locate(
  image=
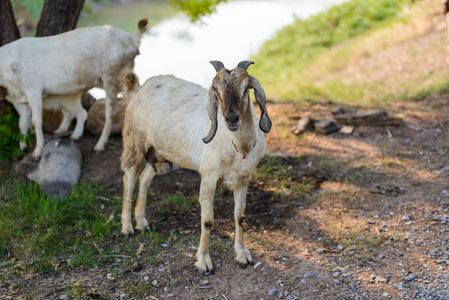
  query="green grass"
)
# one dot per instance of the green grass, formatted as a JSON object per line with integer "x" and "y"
{"x": 276, "y": 173}
{"x": 283, "y": 62}
{"x": 126, "y": 18}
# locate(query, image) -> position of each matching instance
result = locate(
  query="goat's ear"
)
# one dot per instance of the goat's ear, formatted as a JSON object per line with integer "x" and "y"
{"x": 212, "y": 109}
{"x": 245, "y": 64}
{"x": 218, "y": 65}
{"x": 259, "y": 93}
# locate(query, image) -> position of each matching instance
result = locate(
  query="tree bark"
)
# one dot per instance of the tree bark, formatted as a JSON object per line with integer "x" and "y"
{"x": 58, "y": 16}
{"x": 8, "y": 32}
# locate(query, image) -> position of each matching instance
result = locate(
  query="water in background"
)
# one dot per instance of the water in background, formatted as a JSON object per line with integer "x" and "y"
{"x": 232, "y": 34}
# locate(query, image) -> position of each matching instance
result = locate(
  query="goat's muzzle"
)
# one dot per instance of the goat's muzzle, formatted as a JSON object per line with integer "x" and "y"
{"x": 233, "y": 121}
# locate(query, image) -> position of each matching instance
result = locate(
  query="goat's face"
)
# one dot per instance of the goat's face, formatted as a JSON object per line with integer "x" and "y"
{"x": 230, "y": 91}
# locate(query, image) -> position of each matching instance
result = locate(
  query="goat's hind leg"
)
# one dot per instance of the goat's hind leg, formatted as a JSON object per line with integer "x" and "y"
{"x": 243, "y": 257}
{"x": 145, "y": 180}
{"x": 24, "y": 122}
{"x": 111, "y": 98}
{"x": 129, "y": 180}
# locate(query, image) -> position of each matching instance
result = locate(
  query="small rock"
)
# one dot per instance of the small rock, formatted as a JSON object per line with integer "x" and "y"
{"x": 373, "y": 276}
{"x": 205, "y": 282}
{"x": 155, "y": 283}
{"x": 380, "y": 256}
{"x": 384, "y": 225}
{"x": 338, "y": 110}
{"x": 164, "y": 245}
{"x": 173, "y": 282}
{"x": 336, "y": 274}
{"x": 186, "y": 287}
{"x": 340, "y": 247}
{"x": 309, "y": 275}
{"x": 399, "y": 286}
{"x": 348, "y": 130}
{"x": 385, "y": 294}
{"x": 409, "y": 277}
{"x": 371, "y": 222}
{"x": 272, "y": 292}
{"x": 146, "y": 278}
{"x": 327, "y": 126}
{"x": 284, "y": 259}
{"x": 63, "y": 297}
{"x": 167, "y": 289}
{"x": 123, "y": 296}
{"x": 405, "y": 218}
{"x": 303, "y": 125}
{"x": 258, "y": 264}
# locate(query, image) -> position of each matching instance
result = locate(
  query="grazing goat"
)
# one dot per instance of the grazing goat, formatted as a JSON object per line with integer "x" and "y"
{"x": 52, "y": 72}
{"x": 165, "y": 121}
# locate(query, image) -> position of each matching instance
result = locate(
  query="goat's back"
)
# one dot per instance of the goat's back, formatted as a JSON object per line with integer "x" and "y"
{"x": 76, "y": 57}
{"x": 172, "y": 115}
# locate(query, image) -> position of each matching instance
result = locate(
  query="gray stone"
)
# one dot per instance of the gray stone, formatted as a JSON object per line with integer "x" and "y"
{"x": 272, "y": 292}
{"x": 167, "y": 289}
{"x": 409, "y": 277}
{"x": 155, "y": 283}
{"x": 327, "y": 126}
{"x": 63, "y": 297}
{"x": 309, "y": 275}
{"x": 123, "y": 296}
{"x": 406, "y": 218}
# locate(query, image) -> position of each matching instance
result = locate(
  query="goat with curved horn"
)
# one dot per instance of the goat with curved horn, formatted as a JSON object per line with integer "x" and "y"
{"x": 164, "y": 122}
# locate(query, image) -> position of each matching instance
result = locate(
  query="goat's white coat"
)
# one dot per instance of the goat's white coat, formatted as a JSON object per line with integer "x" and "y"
{"x": 171, "y": 116}
{"x": 62, "y": 66}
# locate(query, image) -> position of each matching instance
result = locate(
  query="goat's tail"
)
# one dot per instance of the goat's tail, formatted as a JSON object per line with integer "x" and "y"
{"x": 130, "y": 85}
{"x": 142, "y": 27}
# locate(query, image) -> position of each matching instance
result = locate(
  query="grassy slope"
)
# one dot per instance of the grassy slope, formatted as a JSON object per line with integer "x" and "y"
{"x": 341, "y": 56}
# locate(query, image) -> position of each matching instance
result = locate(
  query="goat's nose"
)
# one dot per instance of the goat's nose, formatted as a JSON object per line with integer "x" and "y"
{"x": 232, "y": 118}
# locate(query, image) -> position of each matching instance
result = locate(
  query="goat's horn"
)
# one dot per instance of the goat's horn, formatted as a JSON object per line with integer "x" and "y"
{"x": 245, "y": 64}
{"x": 218, "y": 65}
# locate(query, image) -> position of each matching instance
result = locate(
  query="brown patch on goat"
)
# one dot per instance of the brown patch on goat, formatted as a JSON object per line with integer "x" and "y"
{"x": 143, "y": 24}
{"x": 242, "y": 223}
{"x": 151, "y": 158}
{"x": 209, "y": 225}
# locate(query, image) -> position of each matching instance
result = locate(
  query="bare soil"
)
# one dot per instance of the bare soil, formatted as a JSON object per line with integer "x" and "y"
{"x": 375, "y": 215}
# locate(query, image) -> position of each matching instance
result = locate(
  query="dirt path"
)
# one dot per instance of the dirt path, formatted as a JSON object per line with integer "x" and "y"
{"x": 363, "y": 216}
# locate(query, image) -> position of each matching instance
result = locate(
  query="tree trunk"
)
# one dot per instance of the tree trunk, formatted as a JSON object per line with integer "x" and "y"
{"x": 8, "y": 32}
{"x": 8, "y": 28}
{"x": 58, "y": 16}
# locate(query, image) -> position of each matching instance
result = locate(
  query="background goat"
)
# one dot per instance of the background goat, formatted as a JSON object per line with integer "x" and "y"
{"x": 62, "y": 67}
{"x": 165, "y": 121}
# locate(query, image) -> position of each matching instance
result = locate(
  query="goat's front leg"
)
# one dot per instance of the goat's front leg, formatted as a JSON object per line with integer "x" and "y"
{"x": 206, "y": 199}
{"x": 243, "y": 257}
{"x": 110, "y": 101}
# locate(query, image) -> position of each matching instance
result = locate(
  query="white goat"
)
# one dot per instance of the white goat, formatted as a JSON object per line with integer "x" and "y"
{"x": 165, "y": 121}
{"x": 52, "y": 72}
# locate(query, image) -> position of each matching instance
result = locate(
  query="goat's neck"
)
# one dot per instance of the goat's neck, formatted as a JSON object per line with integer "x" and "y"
{"x": 245, "y": 138}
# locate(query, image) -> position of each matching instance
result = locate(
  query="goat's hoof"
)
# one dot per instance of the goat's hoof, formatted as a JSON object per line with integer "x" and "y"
{"x": 243, "y": 266}
{"x": 208, "y": 272}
